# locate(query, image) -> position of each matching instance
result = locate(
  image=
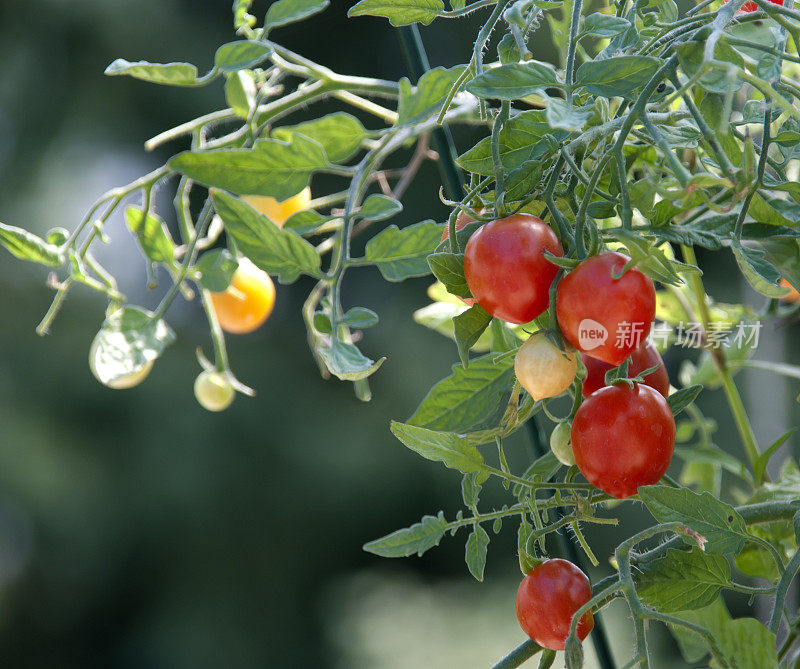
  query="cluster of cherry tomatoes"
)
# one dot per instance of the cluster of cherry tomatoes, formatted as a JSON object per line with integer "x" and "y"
{"x": 622, "y": 435}
{"x": 242, "y": 308}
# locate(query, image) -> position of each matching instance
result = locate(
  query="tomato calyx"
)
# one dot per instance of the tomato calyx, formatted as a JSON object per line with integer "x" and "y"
{"x": 527, "y": 562}
{"x": 619, "y": 375}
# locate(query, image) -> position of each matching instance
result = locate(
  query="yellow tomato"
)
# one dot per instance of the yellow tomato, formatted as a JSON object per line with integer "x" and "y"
{"x": 542, "y": 369}
{"x": 213, "y": 391}
{"x": 247, "y": 302}
{"x": 279, "y": 212}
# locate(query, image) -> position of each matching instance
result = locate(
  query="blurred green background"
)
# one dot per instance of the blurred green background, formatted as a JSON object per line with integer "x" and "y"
{"x": 137, "y": 530}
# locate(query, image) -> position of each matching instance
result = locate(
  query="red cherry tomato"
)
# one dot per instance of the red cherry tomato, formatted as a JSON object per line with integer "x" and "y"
{"x": 644, "y": 357}
{"x": 623, "y": 438}
{"x": 505, "y": 269}
{"x": 753, "y": 7}
{"x": 601, "y": 316}
{"x": 548, "y": 598}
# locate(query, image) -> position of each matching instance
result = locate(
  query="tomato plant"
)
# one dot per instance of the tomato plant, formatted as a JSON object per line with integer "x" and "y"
{"x": 656, "y": 137}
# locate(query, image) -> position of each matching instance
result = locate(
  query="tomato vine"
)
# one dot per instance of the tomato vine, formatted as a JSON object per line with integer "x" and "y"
{"x": 654, "y": 135}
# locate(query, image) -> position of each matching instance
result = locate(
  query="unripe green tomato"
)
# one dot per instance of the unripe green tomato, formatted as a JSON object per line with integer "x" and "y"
{"x": 561, "y": 444}
{"x": 123, "y": 382}
{"x": 542, "y": 369}
{"x": 213, "y": 391}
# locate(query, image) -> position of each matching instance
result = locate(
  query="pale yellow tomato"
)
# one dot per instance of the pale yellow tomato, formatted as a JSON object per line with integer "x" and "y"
{"x": 247, "y": 302}
{"x": 122, "y": 382}
{"x": 213, "y": 391}
{"x": 279, "y": 212}
{"x": 542, "y": 369}
{"x": 561, "y": 444}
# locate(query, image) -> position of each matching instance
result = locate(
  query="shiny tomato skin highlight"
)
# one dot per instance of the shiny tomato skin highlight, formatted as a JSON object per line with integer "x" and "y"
{"x": 591, "y": 304}
{"x": 623, "y": 438}
{"x": 547, "y": 599}
{"x": 505, "y": 269}
{"x": 644, "y": 357}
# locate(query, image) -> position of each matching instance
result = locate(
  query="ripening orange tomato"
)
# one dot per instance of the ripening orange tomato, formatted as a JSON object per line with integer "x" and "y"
{"x": 247, "y": 302}
{"x": 279, "y": 212}
{"x": 792, "y": 296}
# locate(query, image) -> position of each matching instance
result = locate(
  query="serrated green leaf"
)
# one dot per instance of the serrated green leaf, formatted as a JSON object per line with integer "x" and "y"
{"x": 470, "y": 489}
{"x": 379, "y": 207}
{"x": 475, "y": 552}
{"x": 468, "y": 328}
{"x": 306, "y": 221}
{"x": 360, "y": 318}
{"x": 445, "y": 447}
{"x": 616, "y": 76}
{"x": 756, "y": 561}
{"x": 25, "y": 245}
{"x": 682, "y": 398}
{"x": 449, "y": 269}
{"x": 522, "y": 139}
{"x": 346, "y": 362}
{"x": 216, "y": 268}
{"x": 564, "y": 117}
{"x": 744, "y": 642}
{"x": 682, "y": 581}
{"x": 400, "y": 12}
{"x": 240, "y": 92}
{"x": 240, "y": 55}
{"x": 764, "y": 458}
{"x": 604, "y": 25}
{"x": 170, "y": 74}
{"x": 758, "y": 271}
{"x": 280, "y": 252}
{"x": 468, "y": 396}
{"x": 284, "y": 12}
{"x": 514, "y": 80}
{"x": 418, "y": 538}
{"x": 152, "y": 234}
{"x": 401, "y": 254}
{"x": 339, "y": 134}
{"x": 719, "y": 523}
{"x": 424, "y": 100}
{"x": 717, "y": 78}
{"x": 272, "y": 168}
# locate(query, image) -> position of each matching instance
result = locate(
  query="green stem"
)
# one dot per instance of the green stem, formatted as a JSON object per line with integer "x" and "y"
{"x": 783, "y": 587}
{"x": 569, "y": 73}
{"x": 740, "y": 417}
{"x": 522, "y": 653}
